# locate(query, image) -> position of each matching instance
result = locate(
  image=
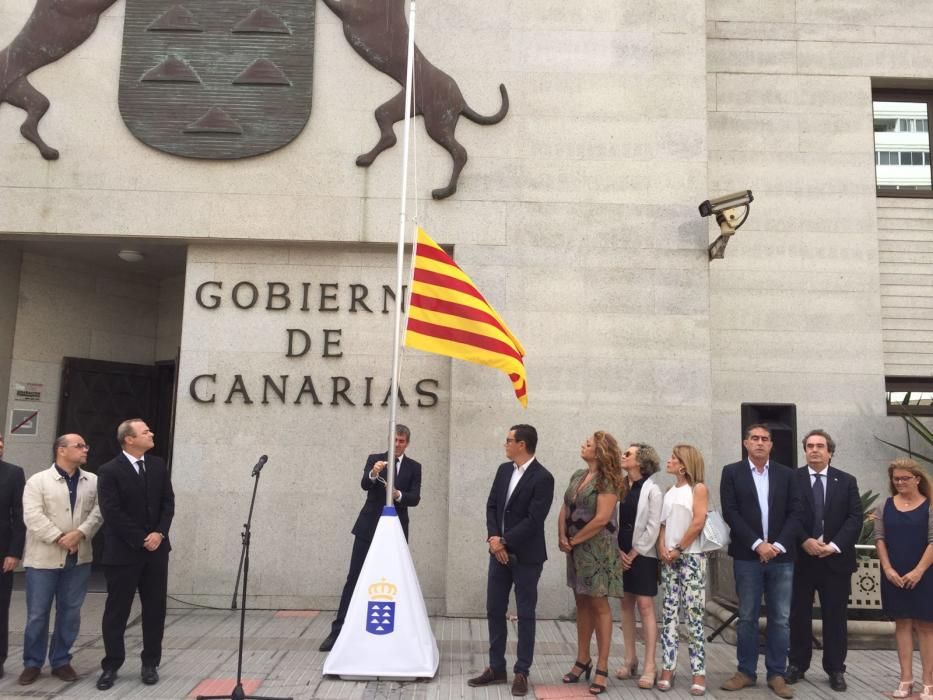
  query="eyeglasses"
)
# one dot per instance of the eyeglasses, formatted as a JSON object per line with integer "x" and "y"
{"x": 902, "y": 479}
{"x": 81, "y": 446}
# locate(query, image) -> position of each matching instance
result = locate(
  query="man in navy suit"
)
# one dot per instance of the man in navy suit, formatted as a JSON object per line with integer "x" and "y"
{"x": 135, "y": 496}
{"x": 831, "y": 523}
{"x": 516, "y": 509}
{"x": 12, "y": 538}
{"x": 760, "y": 502}
{"x": 407, "y": 495}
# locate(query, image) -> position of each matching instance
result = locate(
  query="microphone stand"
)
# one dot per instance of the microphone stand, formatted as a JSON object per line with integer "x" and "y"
{"x": 238, "y": 692}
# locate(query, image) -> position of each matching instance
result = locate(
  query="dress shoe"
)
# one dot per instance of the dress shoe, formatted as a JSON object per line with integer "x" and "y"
{"x": 149, "y": 675}
{"x": 738, "y": 681}
{"x": 520, "y": 685}
{"x": 837, "y": 681}
{"x": 488, "y": 677}
{"x": 793, "y": 674}
{"x": 779, "y": 687}
{"x": 29, "y": 675}
{"x": 105, "y": 682}
{"x": 65, "y": 673}
{"x": 328, "y": 642}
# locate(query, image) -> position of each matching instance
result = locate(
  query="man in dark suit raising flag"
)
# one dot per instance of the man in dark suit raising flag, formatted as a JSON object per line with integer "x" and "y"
{"x": 407, "y": 495}
{"x": 136, "y": 499}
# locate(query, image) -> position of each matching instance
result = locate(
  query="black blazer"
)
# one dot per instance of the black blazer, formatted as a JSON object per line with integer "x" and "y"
{"x": 842, "y": 516}
{"x": 129, "y": 516}
{"x": 740, "y": 509}
{"x": 524, "y": 514}
{"x": 12, "y": 527}
{"x": 408, "y": 482}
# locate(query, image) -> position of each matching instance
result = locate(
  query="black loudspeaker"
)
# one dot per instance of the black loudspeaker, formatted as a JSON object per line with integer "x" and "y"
{"x": 781, "y": 419}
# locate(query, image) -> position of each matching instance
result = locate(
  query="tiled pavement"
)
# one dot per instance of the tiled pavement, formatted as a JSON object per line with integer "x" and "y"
{"x": 281, "y": 659}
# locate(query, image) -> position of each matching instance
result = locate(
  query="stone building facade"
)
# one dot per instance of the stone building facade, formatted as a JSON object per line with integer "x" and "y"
{"x": 266, "y": 281}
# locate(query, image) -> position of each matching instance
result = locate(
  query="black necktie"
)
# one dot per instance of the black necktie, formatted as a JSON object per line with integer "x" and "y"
{"x": 818, "y": 494}
{"x": 142, "y": 469}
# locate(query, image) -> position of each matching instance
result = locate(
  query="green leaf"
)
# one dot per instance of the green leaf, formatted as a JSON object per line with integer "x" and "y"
{"x": 919, "y": 427}
{"x": 909, "y": 452}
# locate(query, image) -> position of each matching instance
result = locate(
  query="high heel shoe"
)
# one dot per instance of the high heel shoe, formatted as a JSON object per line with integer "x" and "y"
{"x": 647, "y": 679}
{"x": 584, "y": 670}
{"x": 698, "y": 689}
{"x": 904, "y": 690}
{"x": 599, "y": 688}
{"x": 626, "y": 672}
{"x": 664, "y": 684}
{"x": 927, "y": 693}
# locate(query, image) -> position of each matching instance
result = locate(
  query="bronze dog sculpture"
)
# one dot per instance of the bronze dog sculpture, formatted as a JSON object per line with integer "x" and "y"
{"x": 54, "y": 28}
{"x": 378, "y": 31}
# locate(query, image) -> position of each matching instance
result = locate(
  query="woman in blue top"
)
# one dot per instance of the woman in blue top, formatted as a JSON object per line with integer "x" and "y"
{"x": 904, "y": 539}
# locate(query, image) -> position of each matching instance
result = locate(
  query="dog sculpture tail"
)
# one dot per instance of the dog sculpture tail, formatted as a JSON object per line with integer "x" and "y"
{"x": 493, "y": 119}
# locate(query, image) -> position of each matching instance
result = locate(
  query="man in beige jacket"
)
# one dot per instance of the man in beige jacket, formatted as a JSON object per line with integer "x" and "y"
{"x": 61, "y": 514}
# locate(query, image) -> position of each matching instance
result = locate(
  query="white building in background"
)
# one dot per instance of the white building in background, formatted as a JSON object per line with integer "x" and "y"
{"x": 902, "y": 145}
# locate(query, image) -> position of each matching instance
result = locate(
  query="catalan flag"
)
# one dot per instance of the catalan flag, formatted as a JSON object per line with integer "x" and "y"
{"x": 447, "y": 315}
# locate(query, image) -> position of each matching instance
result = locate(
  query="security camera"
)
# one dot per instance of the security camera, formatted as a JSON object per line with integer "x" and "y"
{"x": 727, "y": 210}
{"x": 727, "y": 201}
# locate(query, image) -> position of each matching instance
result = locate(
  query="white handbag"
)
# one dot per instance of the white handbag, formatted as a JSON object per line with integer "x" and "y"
{"x": 715, "y": 534}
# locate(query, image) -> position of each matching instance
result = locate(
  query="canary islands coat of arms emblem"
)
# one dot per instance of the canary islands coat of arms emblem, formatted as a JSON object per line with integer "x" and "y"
{"x": 217, "y": 79}
{"x": 380, "y": 609}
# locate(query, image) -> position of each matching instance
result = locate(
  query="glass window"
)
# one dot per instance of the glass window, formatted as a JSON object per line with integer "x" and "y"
{"x": 883, "y": 124}
{"x": 902, "y": 142}
{"x": 909, "y": 395}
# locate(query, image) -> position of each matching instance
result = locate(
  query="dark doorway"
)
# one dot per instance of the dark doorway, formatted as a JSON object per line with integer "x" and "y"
{"x": 97, "y": 395}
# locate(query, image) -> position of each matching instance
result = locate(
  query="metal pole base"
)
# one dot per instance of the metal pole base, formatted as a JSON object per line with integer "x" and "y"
{"x": 239, "y": 694}
{"x": 719, "y": 630}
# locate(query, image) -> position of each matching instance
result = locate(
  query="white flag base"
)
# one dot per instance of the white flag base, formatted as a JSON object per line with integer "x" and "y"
{"x": 400, "y": 679}
{"x": 386, "y": 634}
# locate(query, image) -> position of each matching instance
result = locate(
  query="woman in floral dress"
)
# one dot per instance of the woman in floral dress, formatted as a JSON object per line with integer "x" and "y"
{"x": 586, "y": 531}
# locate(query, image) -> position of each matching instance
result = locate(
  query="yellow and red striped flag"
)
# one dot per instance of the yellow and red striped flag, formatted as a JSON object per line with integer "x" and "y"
{"x": 447, "y": 315}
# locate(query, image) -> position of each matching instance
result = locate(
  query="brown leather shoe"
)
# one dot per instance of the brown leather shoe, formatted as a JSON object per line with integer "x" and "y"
{"x": 29, "y": 675}
{"x": 488, "y": 677}
{"x": 738, "y": 681}
{"x": 780, "y": 687}
{"x": 520, "y": 685}
{"x": 65, "y": 673}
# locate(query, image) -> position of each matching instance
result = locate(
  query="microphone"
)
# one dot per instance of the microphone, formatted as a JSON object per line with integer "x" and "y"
{"x": 259, "y": 465}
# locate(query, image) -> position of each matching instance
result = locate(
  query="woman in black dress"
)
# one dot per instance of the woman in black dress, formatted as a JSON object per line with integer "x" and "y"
{"x": 904, "y": 538}
{"x": 639, "y": 524}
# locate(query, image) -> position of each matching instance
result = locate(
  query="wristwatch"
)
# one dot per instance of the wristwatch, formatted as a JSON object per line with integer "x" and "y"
{"x": 679, "y": 548}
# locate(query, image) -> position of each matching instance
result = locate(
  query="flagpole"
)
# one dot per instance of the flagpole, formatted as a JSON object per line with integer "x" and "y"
{"x": 402, "y": 216}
